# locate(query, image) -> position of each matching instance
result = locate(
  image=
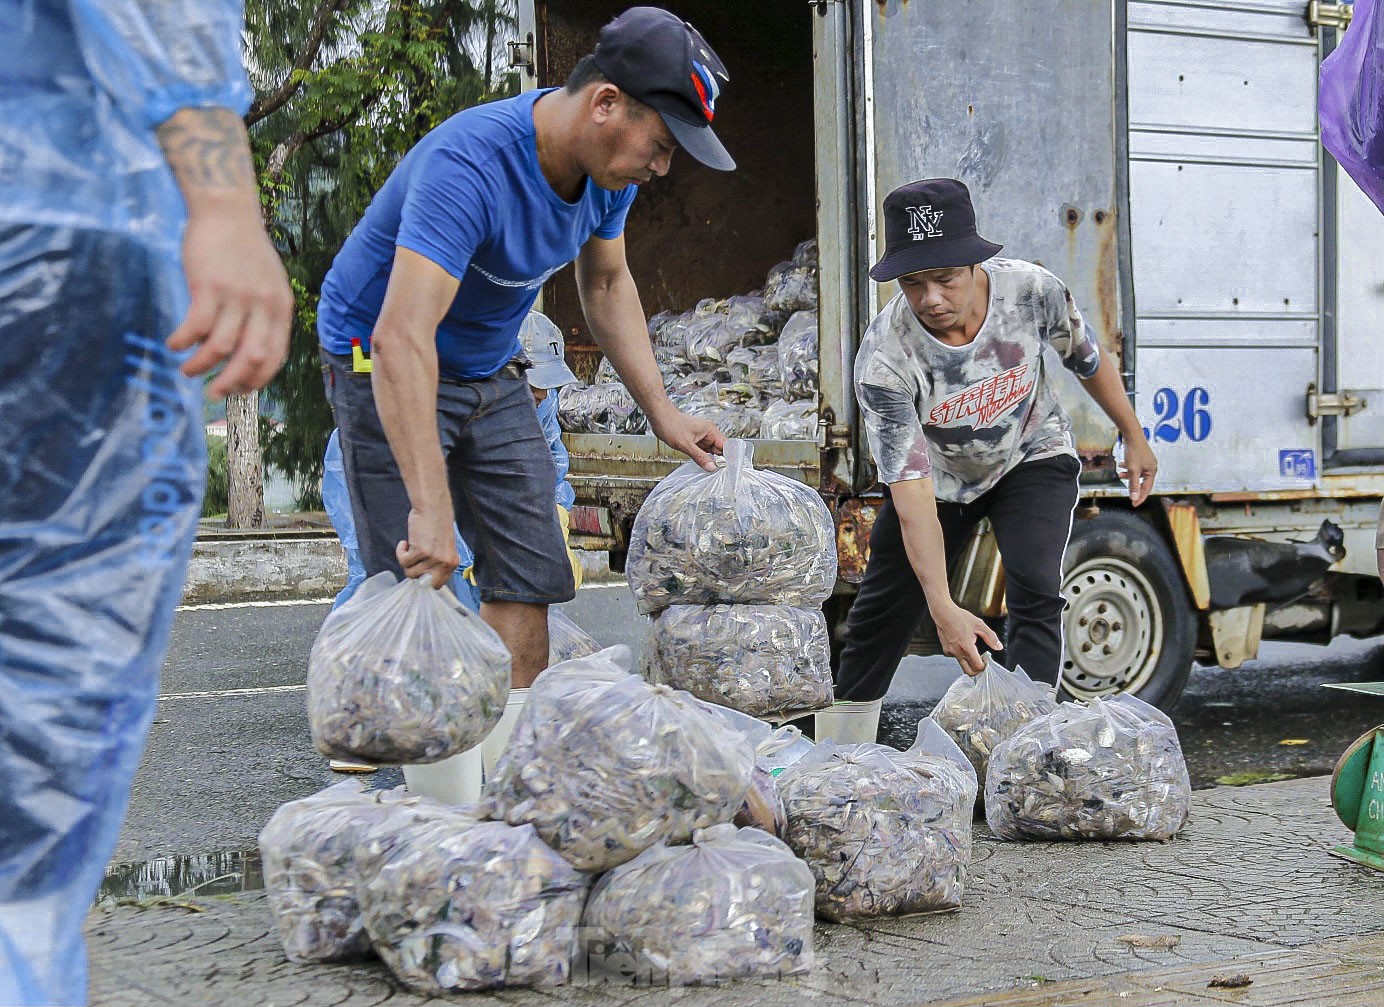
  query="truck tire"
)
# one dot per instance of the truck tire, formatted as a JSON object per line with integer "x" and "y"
{"x": 1128, "y": 625}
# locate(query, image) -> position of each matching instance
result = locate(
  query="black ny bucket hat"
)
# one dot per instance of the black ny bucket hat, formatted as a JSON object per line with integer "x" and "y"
{"x": 930, "y": 224}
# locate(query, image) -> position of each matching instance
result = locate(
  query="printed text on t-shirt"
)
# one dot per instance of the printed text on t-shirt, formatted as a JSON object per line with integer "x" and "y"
{"x": 985, "y": 401}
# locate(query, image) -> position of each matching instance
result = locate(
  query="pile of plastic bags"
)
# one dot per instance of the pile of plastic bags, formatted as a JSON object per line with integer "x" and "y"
{"x": 404, "y": 674}
{"x": 604, "y": 765}
{"x": 1102, "y": 769}
{"x": 886, "y": 833}
{"x": 736, "y": 564}
{"x": 747, "y": 363}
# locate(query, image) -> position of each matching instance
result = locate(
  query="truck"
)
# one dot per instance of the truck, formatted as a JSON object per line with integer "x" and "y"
{"x": 1162, "y": 157}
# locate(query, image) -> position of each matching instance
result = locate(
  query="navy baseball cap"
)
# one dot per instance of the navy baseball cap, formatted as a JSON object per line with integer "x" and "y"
{"x": 659, "y": 59}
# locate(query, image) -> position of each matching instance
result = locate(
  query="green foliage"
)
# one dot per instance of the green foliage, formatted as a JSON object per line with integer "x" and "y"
{"x": 217, "y": 498}
{"x": 328, "y": 126}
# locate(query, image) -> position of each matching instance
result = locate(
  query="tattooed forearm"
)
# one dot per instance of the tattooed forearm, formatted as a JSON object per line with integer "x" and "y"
{"x": 207, "y": 148}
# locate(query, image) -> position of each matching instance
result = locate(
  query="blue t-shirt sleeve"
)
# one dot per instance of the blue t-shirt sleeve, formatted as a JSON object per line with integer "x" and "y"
{"x": 446, "y": 214}
{"x": 612, "y": 225}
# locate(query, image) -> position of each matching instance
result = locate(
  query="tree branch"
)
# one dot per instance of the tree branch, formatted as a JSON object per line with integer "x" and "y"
{"x": 267, "y": 105}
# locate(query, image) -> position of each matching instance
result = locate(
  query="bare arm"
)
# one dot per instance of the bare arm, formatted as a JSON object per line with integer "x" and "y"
{"x": 611, "y": 305}
{"x": 242, "y": 305}
{"x": 403, "y": 348}
{"x": 1108, "y": 392}
{"x": 922, "y": 539}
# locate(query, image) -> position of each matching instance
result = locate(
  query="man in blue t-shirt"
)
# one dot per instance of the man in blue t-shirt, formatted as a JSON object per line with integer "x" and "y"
{"x": 436, "y": 279}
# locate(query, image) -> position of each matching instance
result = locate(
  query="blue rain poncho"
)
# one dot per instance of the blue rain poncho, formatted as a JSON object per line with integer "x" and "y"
{"x": 104, "y": 464}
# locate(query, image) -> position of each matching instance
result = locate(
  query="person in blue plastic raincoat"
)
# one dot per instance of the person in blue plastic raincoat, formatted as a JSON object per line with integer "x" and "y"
{"x": 547, "y": 374}
{"x": 126, "y": 184}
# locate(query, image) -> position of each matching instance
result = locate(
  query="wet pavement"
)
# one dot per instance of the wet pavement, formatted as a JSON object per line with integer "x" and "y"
{"x": 182, "y": 916}
{"x": 1247, "y": 888}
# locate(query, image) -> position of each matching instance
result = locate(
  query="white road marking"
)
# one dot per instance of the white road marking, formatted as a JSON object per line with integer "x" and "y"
{"x": 281, "y": 603}
{"x": 262, "y": 691}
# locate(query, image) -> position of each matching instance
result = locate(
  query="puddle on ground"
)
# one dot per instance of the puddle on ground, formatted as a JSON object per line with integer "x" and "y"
{"x": 201, "y": 874}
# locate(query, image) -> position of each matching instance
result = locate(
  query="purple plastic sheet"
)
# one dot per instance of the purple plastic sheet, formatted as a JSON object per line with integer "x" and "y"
{"x": 1351, "y": 101}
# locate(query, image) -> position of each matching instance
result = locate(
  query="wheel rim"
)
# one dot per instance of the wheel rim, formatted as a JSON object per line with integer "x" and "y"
{"x": 1113, "y": 628}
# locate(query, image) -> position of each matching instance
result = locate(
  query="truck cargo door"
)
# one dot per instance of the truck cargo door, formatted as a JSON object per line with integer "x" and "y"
{"x": 1016, "y": 98}
{"x": 1226, "y": 228}
{"x": 522, "y": 49}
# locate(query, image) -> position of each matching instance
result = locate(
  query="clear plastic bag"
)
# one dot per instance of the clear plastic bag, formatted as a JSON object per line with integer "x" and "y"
{"x": 792, "y": 286}
{"x": 604, "y": 764}
{"x": 605, "y": 408}
{"x": 797, "y": 352}
{"x": 739, "y": 321}
{"x": 308, "y": 851}
{"x": 734, "y": 904}
{"x": 763, "y": 660}
{"x": 1103, "y": 769}
{"x": 605, "y": 373}
{"x": 403, "y": 674}
{"x": 757, "y": 368}
{"x": 734, "y": 535}
{"x": 981, "y": 712}
{"x": 886, "y": 833}
{"x": 775, "y": 749}
{"x": 731, "y": 408}
{"x": 567, "y": 640}
{"x": 454, "y": 903}
{"x": 790, "y": 421}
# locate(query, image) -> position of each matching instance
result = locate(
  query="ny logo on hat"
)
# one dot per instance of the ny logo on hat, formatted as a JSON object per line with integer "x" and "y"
{"x": 922, "y": 222}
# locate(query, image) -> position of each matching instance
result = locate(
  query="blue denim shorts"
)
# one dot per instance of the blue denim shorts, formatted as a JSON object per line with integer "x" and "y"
{"x": 500, "y": 470}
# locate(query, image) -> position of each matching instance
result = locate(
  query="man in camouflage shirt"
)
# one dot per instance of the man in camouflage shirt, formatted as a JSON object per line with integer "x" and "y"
{"x": 964, "y": 423}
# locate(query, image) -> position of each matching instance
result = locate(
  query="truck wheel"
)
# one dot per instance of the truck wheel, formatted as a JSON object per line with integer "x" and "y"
{"x": 1128, "y": 626}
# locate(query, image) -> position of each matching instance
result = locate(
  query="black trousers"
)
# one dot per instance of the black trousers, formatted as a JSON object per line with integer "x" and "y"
{"x": 1030, "y": 510}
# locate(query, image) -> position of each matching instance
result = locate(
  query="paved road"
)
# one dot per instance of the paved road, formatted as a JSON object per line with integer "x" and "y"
{"x": 230, "y": 742}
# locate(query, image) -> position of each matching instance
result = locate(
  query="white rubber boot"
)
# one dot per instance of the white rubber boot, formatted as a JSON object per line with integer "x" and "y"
{"x": 452, "y": 781}
{"x": 848, "y": 723}
{"x": 494, "y": 744}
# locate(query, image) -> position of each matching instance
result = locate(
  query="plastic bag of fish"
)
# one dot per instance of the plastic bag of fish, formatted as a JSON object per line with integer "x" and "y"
{"x": 733, "y": 535}
{"x": 792, "y": 286}
{"x": 763, "y": 660}
{"x": 981, "y": 711}
{"x": 604, "y": 765}
{"x": 790, "y": 421}
{"x": 756, "y": 367}
{"x": 605, "y": 408}
{"x": 1103, "y": 769}
{"x": 743, "y": 320}
{"x": 731, "y": 408}
{"x": 567, "y": 640}
{"x": 775, "y": 749}
{"x": 454, "y": 903}
{"x": 797, "y": 353}
{"x": 308, "y": 851}
{"x": 404, "y": 674}
{"x": 886, "y": 833}
{"x": 735, "y": 903}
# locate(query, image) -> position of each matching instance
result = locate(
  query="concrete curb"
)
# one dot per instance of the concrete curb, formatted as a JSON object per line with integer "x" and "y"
{"x": 229, "y": 569}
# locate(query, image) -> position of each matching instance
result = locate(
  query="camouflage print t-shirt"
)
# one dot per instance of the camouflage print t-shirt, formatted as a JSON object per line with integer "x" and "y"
{"x": 966, "y": 415}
